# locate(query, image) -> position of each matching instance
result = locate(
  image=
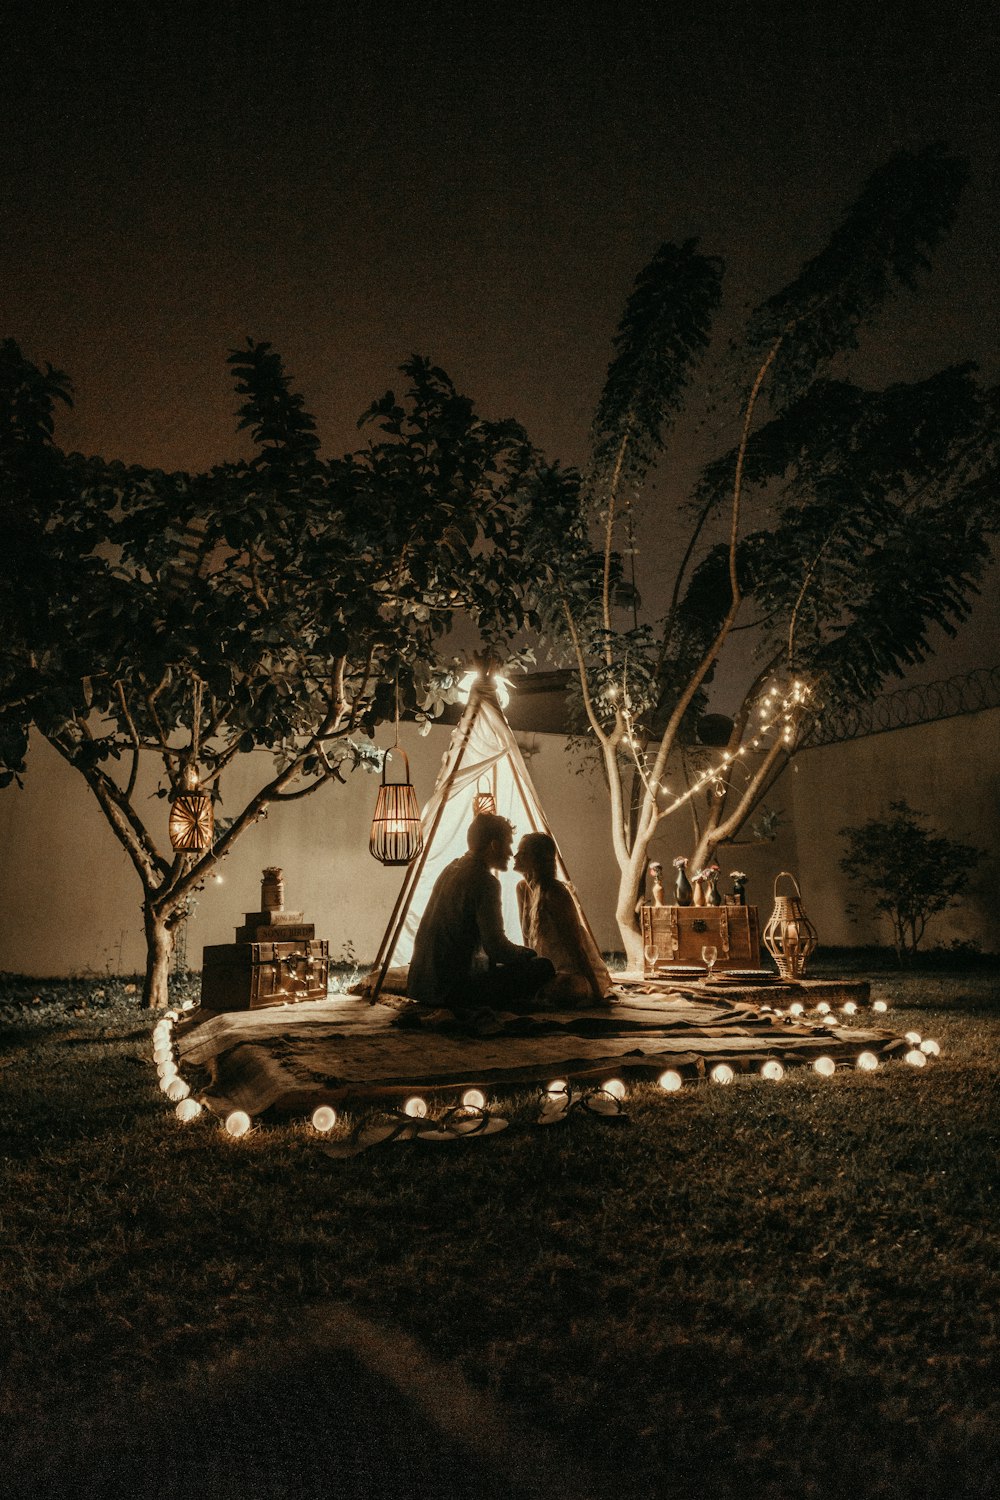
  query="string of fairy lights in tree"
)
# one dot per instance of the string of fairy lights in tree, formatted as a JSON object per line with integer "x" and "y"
{"x": 779, "y": 710}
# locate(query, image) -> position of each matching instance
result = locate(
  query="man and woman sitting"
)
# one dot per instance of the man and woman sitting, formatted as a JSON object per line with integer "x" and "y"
{"x": 462, "y": 958}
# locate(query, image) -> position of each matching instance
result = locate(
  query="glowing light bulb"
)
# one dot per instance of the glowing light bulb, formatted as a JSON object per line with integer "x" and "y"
{"x": 166, "y": 1079}
{"x": 913, "y": 1037}
{"x": 916, "y": 1058}
{"x": 796, "y": 1009}
{"x": 168, "y": 1016}
{"x": 866, "y": 1061}
{"x": 189, "y": 1005}
{"x": 670, "y": 1081}
{"x": 615, "y": 1087}
{"x": 176, "y": 1090}
{"x": 772, "y": 1070}
{"x": 324, "y": 1118}
{"x": 722, "y": 1073}
{"x": 931, "y": 1047}
{"x": 823, "y": 1008}
{"x": 474, "y": 1099}
{"x": 850, "y": 1008}
{"x": 415, "y": 1107}
{"x": 237, "y": 1123}
{"x": 880, "y": 1007}
{"x": 825, "y": 1067}
{"x": 557, "y": 1088}
{"x": 187, "y": 1110}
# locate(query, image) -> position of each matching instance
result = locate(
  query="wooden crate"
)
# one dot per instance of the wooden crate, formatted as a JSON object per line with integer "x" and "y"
{"x": 680, "y": 932}
{"x": 249, "y": 976}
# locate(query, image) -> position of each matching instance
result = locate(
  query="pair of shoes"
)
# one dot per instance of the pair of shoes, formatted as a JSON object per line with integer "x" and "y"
{"x": 596, "y": 1101}
{"x": 459, "y": 1122}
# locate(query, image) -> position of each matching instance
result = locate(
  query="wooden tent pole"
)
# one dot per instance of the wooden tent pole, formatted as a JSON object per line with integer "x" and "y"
{"x": 415, "y": 870}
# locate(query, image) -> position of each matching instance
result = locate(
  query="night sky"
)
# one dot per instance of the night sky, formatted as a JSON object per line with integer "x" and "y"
{"x": 479, "y": 183}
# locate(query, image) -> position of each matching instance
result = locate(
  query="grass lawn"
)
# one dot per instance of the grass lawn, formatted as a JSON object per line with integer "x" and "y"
{"x": 783, "y": 1289}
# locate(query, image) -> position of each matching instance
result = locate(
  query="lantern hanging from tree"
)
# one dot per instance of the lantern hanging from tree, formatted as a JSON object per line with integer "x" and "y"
{"x": 789, "y": 936}
{"x": 192, "y": 821}
{"x": 397, "y": 836}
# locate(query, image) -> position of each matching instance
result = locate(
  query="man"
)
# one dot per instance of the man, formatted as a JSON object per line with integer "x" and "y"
{"x": 464, "y": 921}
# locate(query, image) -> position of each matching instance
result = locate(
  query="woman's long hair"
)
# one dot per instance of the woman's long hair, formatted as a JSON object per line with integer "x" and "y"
{"x": 540, "y": 850}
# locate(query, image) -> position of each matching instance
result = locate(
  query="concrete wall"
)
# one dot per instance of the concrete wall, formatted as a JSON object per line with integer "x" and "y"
{"x": 70, "y": 901}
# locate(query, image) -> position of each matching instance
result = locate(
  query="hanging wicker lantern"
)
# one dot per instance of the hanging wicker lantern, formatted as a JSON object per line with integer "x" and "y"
{"x": 789, "y": 936}
{"x": 483, "y": 802}
{"x": 192, "y": 821}
{"x": 397, "y": 836}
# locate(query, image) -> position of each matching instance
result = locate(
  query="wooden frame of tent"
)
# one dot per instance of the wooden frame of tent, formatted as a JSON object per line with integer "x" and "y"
{"x": 483, "y": 691}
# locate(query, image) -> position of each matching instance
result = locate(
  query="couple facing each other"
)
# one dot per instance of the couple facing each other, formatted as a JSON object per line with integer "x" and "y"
{"x": 462, "y": 957}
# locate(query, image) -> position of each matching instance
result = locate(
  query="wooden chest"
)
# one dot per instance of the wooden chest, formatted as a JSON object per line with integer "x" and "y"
{"x": 680, "y": 932}
{"x": 248, "y": 976}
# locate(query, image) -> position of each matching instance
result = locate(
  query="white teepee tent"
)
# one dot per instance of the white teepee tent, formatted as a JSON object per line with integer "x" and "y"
{"x": 483, "y": 757}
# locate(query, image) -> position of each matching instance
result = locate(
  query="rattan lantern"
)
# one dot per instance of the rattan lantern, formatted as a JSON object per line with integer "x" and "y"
{"x": 192, "y": 821}
{"x": 789, "y": 936}
{"x": 483, "y": 802}
{"x": 397, "y": 836}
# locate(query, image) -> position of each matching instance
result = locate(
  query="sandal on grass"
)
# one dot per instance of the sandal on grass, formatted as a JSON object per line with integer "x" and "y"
{"x": 367, "y": 1133}
{"x": 597, "y": 1101}
{"x": 460, "y": 1122}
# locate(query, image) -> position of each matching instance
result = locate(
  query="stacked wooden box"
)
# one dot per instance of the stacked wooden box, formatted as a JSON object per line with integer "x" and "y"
{"x": 276, "y": 958}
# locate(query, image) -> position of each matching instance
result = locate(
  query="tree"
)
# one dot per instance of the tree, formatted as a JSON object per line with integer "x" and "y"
{"x": 908, "y": 872}
{"x": 290, "y": 601}
{"x": 839, "y": 524}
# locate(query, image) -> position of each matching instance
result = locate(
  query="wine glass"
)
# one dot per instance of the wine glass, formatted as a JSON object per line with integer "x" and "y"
{"x": 651, "y": 954}
{"x": 709, "y": 954}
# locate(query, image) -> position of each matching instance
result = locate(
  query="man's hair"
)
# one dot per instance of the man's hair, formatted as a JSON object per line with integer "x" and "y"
{"x": 484, "y": 828}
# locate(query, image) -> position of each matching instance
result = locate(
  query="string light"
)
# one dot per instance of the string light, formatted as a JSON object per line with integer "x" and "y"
{"x": 772, "y": 1070}
{"x": 931, "y": 1047}
{"x": 825, "y": 1067}
{"x": 237, "y": 1123}
{"x": 913, "y": 1037}
{"x": 866, "y": 1061}
{"x": 850, "y": 1009}
{"x": 670, "y": 1081}
{"x": 916, "y": 1058}
{"x": 880, "y": 1007}
{"x": 615, "y": 1087}
{"x": 187, "y": 1110}
{"x": 176, "y": 1090}
{"x": 415, "y": 1107}
{"x": 474, "y": 1099}
{"x": 324, "y": 1118}
{"x": 557, "y": 1088}
{"x": 722, "y": 1073}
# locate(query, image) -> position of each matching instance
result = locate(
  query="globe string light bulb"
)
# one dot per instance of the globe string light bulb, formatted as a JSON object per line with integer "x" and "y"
{"x": 931, "y": 1047}
{"x": 324, "y": 1118}
{"x": 557, "y": 1088}
{"x": 772, "y": 1070}
{"x": 237, "y": 1123}
{"x": 474, "y": 1099}
{"x": 722, "y": 1073}
{"x": 615, "y": 1087}
{"x": 913, "y": 1037}
{"x": 825, "y": 1067}
{"x": 879, "y": 1007}
{"x": 866, "y": 1061}
{"x": 177, "y": 1090}
{"x": 187, "y": 1110}
{"x": 415, "y": 1107}
{"x": 670, "y": 1081}
{"x": 850, "y": 1009}
{"x": 916, "y": 1058}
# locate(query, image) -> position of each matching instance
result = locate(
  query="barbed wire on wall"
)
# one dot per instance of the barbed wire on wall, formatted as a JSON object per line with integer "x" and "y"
{"x": 966, "y": 693}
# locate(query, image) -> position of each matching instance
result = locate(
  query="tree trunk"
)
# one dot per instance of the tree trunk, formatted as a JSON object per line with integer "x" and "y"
{"x": 626, "y": 915}
{"x": 159, "y": 951}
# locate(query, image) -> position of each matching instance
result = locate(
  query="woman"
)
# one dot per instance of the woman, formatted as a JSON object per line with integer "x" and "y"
{"x": 550, "y": 923}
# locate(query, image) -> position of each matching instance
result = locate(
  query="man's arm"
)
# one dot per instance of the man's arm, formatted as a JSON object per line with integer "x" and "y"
{"x": 489, "y": 919}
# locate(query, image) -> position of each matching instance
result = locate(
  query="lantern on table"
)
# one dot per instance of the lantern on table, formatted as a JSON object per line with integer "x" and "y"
{"x": 192, "y": 821}
{"x": 397, "y": 836}
{"x": 789, "y": 936}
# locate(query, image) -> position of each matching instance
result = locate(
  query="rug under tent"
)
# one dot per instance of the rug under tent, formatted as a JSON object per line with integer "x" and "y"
{"x": 287, "y": 1060}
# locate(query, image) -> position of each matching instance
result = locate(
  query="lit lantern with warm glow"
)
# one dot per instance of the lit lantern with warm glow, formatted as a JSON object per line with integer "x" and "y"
{"x": 722, "y": 1073}
{"x": 474, "y": 1099}
{"x": 772, "y": 1070}
{"x": 825, "y": 1067}
{"x": 176, "y": 1090}
{"x": 324, "y": 1118}
{"x": 187, "y": 1110}
{"x": 670, "y": 1081}
{"x": 916, "y": 1058}
{"x": 192, "y": 821}
{"x": 615, "y": 1087}
{"x": 879, "y": 1007}
{"x": 237, "y": 1123}
{"x": 396, "y": 836}
{"x": 789, "y": 936}
{"x": 931, "y": 1047}
{"x": 415, "y": 1107}
{"x": 866, "y": 1061}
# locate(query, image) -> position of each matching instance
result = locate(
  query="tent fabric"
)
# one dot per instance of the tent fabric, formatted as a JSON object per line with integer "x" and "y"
{"x": 483, "y": 755}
